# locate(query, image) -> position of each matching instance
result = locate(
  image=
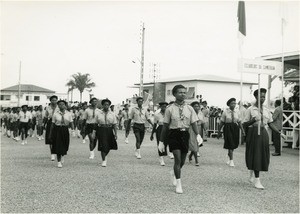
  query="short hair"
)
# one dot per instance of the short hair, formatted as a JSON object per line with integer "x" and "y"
{"x": 139, "y": 98}
{"x": 176, "y": 87}
{"x": 262, "y": 90}
{"x": 230, "y": 100}
{"x": 195, "y": 103}
{"x": 278, "y": 102}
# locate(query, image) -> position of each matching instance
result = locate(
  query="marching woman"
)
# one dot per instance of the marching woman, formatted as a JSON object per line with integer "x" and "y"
{"x": 257, "y": 145}
{"x": 59, "y": 132}
{"x": 106, "y": 130}
{"x": 25, "y": 119}
{"x": 178, "y": 118}
{"x": 139, "y": 116}
{"x": 232, "y": 123}
{"x": 157, "y": 127}
{"x": 193, "y": 144}
{"x": 89, "y": 122}
{"x": 50, "y": 111}
{"x": 39, "y": 122}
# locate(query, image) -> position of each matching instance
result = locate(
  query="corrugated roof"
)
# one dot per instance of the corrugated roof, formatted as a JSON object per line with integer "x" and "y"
{"x": 206, "y": 78}
{"x": 27, "y": 88}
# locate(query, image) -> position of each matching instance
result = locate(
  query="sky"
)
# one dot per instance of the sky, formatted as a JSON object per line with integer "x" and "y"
{"x": 56, "y": 39}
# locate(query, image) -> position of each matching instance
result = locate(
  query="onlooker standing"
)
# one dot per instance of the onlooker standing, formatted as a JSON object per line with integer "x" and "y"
{"x": 277, "y": 121}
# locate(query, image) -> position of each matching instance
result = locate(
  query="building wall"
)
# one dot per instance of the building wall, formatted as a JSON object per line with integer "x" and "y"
{"x": 215, "y": 93}
{"x": 13, "y": 102}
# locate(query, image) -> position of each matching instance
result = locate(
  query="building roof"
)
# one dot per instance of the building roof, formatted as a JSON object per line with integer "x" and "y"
{"x": 204, "y": 78}
{"x": 27, "y": 88}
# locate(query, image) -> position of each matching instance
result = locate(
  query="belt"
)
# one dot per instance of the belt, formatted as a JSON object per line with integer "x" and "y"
{"x": 105, "y": 125}
{"x": 181, "y": 129}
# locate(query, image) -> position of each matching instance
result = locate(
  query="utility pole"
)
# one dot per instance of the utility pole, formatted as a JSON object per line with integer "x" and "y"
{"x": 142, "y": 61}
{"x": 19, "y": 87}
{"x": 155, "y": 75}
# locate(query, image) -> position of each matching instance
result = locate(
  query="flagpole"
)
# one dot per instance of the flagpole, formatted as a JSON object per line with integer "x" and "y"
{"x": 282, "y": 61}
{"x": 259, "y": 109}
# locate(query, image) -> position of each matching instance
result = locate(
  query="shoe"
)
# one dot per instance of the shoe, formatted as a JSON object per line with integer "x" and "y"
{"x": 42, "y": 138}
{"x": 173, "y": 178}
{"x": 178, "y": 186}
{"x": 138, "y": 156}
{"x": 83, "y": 141}
{"x": 23, "y": 143}
{"x": 59, "y": 165}
{"x": 197, "y": 164}
{"x": 92, "y": 155}
{"x": 62, "y": 159}
{"x": 126, "y": 140}
{"x": 32, "y": 135}
{"x": 257, "y": 184}
{"x": 161, "y": 160}
{"x": 18, "y": 138}
{"x": 52, "y": 157}
{"x": 138, "y": 152}
{"x": 198, "y": 154}
{"x": 39, "y": 139}
{"x": 135, "y": 152}
{"x": 104, "y": 163}
{"x": 276, "y": 154}
{"x": 171, "y": 156}
{"x": 231, "y": 163}
{"x": 228, "y": 160}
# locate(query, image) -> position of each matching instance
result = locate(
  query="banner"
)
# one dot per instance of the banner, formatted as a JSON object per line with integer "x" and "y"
{"x": 259, "y": 66}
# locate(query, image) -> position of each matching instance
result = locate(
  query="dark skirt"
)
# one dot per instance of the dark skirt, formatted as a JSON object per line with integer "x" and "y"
{"x": 257, "y": 149}
{"x": 231, "y": 136}
{"x": 158, "y": 133}
{"x": 60, "y": 140}
{"x": 106, "y": 139}
{"x": 49, "y": 123}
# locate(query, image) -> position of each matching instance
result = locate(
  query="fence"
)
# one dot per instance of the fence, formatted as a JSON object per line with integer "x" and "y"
{"x": 291, "y": 126}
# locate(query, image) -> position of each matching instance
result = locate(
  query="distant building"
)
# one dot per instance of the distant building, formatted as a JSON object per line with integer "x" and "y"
{"x": 31, "y": 95}
{"x": 216, "y": 90}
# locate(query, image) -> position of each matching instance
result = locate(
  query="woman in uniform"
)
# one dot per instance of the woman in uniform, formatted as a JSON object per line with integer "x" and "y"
{"x": 232, "y": 123}
{"x": 50, "y": 111}
{"x": 157, "y": 128}
{"x": 25, "y": 119}
{"x": 106, "y": 130}
{"x": 178, "y": 118}
{"x": 193, "y": 144}
{"x": 257, "y": 145}
{"x": 59, "y": 132}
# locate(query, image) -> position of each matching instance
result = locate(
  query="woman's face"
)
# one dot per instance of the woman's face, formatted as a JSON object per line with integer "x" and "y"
{"x": 262, "y": 98}
{"x": 105, "y": 106}
{"x": 232, "y": 105}
{"x": 53, "y": 101}
{"x": 196, "y": 108}
{"x": 61, "y": 106}
{"x": 163, "y": 108}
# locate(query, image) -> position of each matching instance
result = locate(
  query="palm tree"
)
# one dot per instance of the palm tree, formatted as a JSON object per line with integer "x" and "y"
{"x": 71, "y": 86}
{"x": 81, "y": 82}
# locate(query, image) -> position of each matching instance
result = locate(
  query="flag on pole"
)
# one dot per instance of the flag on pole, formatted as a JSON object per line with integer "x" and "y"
{"x": 242, "y": 17}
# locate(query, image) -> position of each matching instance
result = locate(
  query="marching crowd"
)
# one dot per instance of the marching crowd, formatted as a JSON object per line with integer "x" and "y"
{"x": 177, "y": 126}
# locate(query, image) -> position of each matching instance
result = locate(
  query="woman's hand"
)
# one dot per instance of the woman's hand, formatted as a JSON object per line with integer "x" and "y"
{"x": 151, "y": 137}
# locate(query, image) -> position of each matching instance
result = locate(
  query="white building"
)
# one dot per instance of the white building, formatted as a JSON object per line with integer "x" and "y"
{"x": 216, "y": 90}
{"x": 31, "y": 95}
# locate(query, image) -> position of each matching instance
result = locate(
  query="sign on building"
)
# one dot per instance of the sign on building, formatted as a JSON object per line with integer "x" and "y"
{"x": 259, "y": 66}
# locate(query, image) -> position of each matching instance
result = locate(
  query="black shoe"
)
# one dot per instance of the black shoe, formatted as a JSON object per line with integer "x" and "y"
{"x": 276, "y": 154}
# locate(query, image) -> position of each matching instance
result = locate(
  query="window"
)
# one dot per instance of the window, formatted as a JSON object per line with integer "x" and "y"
{"x": 5, "y": 97}
{"x": 36, "y": 98}
{"x": 190, "y": 93}
{"x": 28, "y": 98}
